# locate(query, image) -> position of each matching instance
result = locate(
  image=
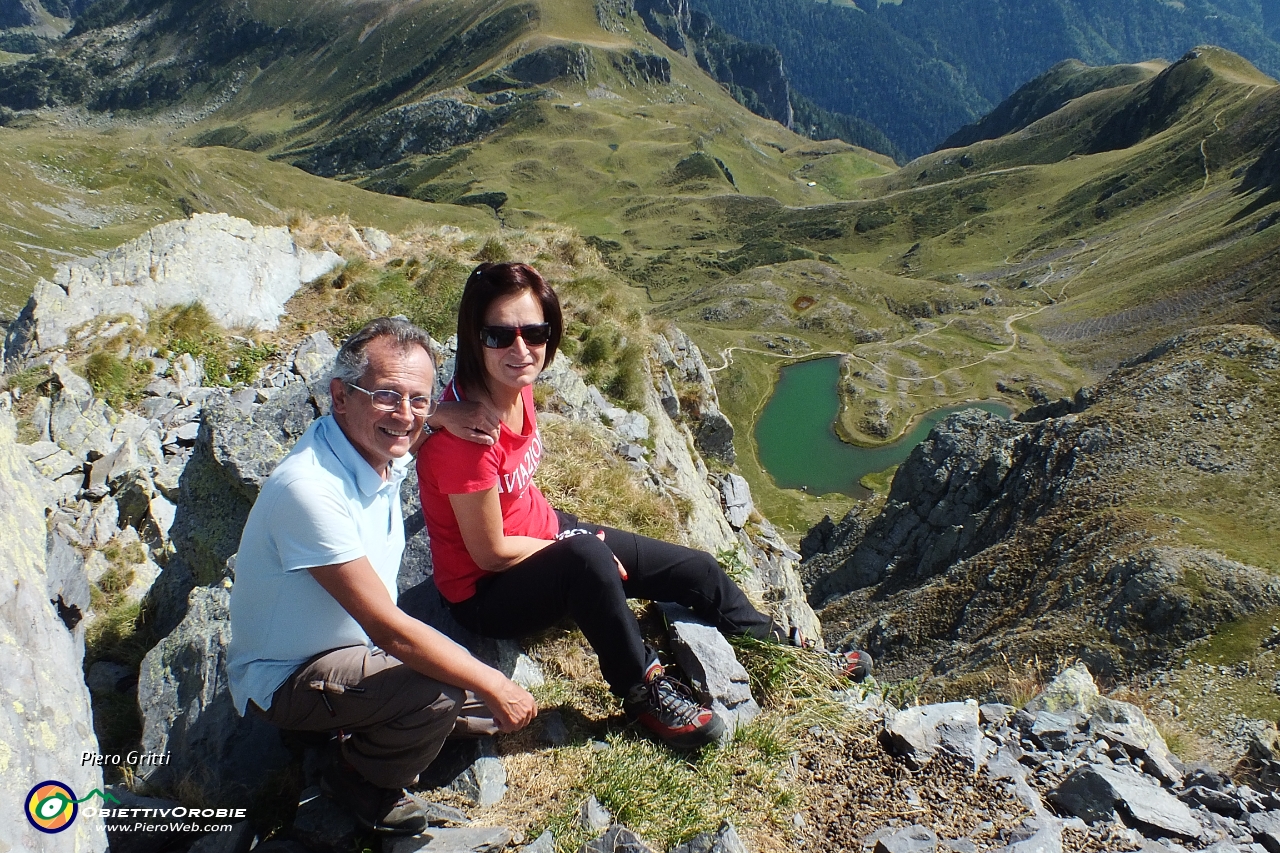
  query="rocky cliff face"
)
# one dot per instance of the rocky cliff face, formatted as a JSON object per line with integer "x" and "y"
{"x": 45, "y": 723}
{"x": 1062, "y": 536}
{"x": 243, "y": 274}
{"x": 751, "y": 72}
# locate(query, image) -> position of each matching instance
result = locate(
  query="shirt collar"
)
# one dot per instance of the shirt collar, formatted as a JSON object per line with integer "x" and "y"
{"x": 367, "y": 480}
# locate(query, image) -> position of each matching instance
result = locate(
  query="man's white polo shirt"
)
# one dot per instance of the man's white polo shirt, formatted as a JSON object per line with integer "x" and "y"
{"x": 323, "y": 504}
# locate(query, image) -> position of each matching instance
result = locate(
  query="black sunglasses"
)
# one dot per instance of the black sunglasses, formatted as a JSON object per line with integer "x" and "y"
{"x": 501, "y": 337}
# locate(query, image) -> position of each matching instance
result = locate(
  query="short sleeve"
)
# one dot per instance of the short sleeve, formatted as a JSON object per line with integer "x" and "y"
{"x": 312, "y": 527}
{"x": 461, "y": 467}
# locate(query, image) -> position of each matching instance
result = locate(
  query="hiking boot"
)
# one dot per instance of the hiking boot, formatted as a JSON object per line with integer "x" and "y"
{"x": 386, "y": 810}
{"x": 667, "y": 708}
{"x": 855, "y": 664}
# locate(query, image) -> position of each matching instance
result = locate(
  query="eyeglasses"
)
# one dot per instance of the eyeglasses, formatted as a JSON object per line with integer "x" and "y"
{"x": 386, "y": 400}
{"x": 501, "y": 337}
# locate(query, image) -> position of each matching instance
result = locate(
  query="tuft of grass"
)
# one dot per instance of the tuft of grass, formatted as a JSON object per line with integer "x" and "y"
{"x": 117, "y": 381}
{"x": 494, "y": 251}
{"x": 191, "y": 330}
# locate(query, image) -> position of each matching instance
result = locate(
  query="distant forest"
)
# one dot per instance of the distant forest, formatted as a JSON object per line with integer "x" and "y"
{"x": 922, "y": 69}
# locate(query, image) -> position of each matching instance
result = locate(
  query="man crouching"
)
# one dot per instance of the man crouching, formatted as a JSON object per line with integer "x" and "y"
{"x": 318, "y": 642}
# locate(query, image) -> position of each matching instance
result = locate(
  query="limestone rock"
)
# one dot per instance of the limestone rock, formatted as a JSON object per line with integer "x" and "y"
{"x": 44, "y": 715}
{"x": 484, "y": 782}
{"x": 187, "y": 711}
{"x": 462, "y": 839}
{"x": 920, "y": 732}
{"x": 1093, "y": 792}
{"x": 379, "y": 242}
{"x": 913, "y": 839}
{"x": 713, "y": 670}
{"x": 738, "y": 505}
{"x": 544, "y": 843}
{"x": 723, "y": 840}
{"x": 594, "y": 817}
{"x": 315, "y": 356}
{"x": 617, "y": 839}
{"x": 241, "y": 273}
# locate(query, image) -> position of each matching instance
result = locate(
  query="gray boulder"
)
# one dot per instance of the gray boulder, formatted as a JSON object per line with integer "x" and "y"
{"x": 1042, "y": 834}
{"x": 738, "y": 505}
{"x": 45, "y": 716}
{"x": 239, "y": 839}
{"x": 723, "y": 840}
{"x": 234, "y": 453}
{"x": 920, "y": 732}
{"x": 1095, "y": 791}
{"x": 544, "y": 843}
{"x": 484, "y": 782}
{"x": 913, "y": 839}
{"x": 1265, "y": 827}
{"x": 458, "y": 839}
{"x": 187, "y": 712}
{"x": 323, "y": 826}
{"x": 617, "y": 839}
{"x": 714, "y": 672}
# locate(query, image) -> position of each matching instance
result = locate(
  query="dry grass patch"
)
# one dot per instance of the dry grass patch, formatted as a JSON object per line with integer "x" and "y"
{"x": 581, "y": 474}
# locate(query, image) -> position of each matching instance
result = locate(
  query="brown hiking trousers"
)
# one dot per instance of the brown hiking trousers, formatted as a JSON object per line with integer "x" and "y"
{"x": 394, "y": 719}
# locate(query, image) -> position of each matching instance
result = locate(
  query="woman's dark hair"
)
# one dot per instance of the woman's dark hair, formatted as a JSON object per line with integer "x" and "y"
{"x": 486, "y": 283}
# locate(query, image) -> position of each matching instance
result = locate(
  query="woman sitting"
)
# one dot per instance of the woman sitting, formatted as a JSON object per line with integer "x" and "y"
{"x": 510, "y": 565}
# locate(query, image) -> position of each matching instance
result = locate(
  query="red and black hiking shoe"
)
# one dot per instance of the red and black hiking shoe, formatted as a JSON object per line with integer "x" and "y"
{"x": 667, "y": 708}
{"x": 855, "y": 664}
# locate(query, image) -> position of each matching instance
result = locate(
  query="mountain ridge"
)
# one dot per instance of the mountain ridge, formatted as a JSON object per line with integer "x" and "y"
{"x": 921, "y": 69}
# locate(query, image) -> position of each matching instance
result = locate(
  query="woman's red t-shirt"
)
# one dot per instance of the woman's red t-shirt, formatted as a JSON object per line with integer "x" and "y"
{"x": 448, "y": 465}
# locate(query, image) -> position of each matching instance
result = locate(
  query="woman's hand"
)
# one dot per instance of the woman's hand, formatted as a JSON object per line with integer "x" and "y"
{"x": 622, "y": 570}
{"x": 468, "y": 420}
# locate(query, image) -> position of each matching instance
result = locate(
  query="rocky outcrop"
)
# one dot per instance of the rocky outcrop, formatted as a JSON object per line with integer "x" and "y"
{"x": 1099, "y": 761}
{"x": 1004, "y": 537}
{"x": 687, "y": 388}
{"x": 240, "y": 272}
{"x": 751, "y": 72}
{"x": 213, "y": 754}
{"x": 45, "y": 722}
{"x": 427, "y": 127}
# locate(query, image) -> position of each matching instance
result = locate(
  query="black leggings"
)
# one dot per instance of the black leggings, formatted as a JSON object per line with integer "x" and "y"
{"x": 576, "y": 576}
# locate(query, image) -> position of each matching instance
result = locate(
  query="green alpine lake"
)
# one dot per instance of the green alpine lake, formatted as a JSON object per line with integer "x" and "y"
{"x": 797, "y": 442}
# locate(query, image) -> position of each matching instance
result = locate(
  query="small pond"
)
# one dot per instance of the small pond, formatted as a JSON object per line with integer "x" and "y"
{"x": 797, "y": 441}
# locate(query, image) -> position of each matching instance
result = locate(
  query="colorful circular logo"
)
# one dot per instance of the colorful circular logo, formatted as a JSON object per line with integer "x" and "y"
{"x": 51, "y": 806}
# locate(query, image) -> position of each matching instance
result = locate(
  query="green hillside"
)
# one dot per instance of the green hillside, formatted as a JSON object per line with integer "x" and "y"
{"x": 920, "y": 69}
{"x": 1015, "y": 268}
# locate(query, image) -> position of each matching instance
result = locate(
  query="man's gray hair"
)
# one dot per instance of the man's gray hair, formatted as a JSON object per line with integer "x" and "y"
{"x": 353, "y": 358}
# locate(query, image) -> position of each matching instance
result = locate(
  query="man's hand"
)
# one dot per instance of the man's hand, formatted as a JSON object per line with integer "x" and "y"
{"x": 468, "y": 420}
{"x": 356, "y": 587}
{"x": 512, "y": 706}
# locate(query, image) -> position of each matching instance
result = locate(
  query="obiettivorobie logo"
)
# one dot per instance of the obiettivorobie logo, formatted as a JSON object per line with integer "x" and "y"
{"x": 52, "y": 806}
